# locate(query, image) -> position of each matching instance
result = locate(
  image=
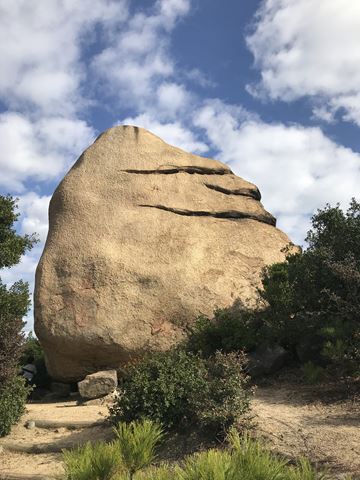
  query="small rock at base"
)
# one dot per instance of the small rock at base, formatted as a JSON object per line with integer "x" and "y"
{"x": 267, "y": 360}
{"x": 30, "y": 424}
{"x": 98, "y": 384}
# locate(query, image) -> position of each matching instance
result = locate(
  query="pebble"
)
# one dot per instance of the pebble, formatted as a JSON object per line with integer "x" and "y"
{"x": 30, "y": 424}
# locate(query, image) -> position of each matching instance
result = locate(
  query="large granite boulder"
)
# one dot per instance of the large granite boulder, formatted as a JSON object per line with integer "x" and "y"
{"x": 143, "y": 238}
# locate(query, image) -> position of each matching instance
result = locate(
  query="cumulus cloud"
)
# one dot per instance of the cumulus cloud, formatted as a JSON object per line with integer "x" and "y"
{"x": 40, "y": 50}
{"x": 34, "y": 209}
{"x": 39, "y": 150}
{"x": 298, "y": 169}
{"x": 172, "y": 98}
{"x": 307, "y": 48}
{"x": 173, "y": 133}
{"x": 137, "y": 61}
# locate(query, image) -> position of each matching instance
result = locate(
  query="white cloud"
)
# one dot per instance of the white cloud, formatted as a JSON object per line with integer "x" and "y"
{"x": 308, "y": 48}
{"x": 197, "y": 76}
{"x": 39, "y": 150}
{"x": 137, "y": 60}
{"x": 173, "y": 133}
{"x": 298, "y": 169}
{"x": 172, "y": 98}
{"x": 34, "y": 212}
{"x": 40, "y": 50}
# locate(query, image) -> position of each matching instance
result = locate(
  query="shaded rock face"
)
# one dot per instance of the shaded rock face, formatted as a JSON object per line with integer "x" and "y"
{"x": 98, "y": 384}
{"x": 143, "y": 238}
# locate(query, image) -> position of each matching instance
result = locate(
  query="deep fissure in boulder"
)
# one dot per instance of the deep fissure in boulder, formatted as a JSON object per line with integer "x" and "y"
{"x": 178, "y": 169}
{"x": 245, "y": 192}
{"x": 228, "y": 214}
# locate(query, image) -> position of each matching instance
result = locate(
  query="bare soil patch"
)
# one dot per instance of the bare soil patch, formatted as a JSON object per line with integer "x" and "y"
{"x": 316, "y": 422}
{"x": 321, "y": 423}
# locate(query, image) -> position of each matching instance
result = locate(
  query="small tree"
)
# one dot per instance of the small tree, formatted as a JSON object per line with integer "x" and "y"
{"x": 314, "y": 297}
{"x": 14, "y": 304}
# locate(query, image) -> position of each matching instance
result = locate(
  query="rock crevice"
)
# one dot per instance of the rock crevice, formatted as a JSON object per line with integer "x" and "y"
{"x": 229, "y": 214}
{"x": 245, "y": 192}
{"x": 168, "y": 170}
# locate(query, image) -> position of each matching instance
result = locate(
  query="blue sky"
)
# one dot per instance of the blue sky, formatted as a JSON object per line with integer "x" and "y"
{"x": 271, "y": 87}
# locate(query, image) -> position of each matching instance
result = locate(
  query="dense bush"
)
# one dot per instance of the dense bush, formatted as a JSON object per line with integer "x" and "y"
{"x": 314, "y": 297}
{"x": 34, "y": 353}
{"x": 230, "y": 329}
{"x": 310, "y": 304}
{"x": 13, "y": 395}
{"x": 180, "y": 389}
{"x": 14, "y": 304}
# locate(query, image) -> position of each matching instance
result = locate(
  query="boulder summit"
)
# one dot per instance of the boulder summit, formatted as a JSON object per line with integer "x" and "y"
{"x": 143, "y": 238}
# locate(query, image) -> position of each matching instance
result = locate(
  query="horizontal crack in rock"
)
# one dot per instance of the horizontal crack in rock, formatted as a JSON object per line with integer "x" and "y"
{"x": 228, "y": 214}
{"x": 176, "y": 169}
{"x": 245, "y": 192}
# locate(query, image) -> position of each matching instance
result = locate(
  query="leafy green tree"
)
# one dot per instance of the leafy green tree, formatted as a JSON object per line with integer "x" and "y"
{"x": 314, "y": 297}
{"x": 14, "y": 304}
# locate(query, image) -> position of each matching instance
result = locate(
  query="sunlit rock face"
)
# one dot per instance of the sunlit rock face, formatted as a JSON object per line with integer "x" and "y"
{"x": 143, "y": 238}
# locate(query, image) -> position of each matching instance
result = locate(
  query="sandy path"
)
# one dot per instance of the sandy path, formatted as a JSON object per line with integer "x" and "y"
{"x": 49, "y": 464}
{"x": 297, "y": 424}
{"x": 293, "y": 420}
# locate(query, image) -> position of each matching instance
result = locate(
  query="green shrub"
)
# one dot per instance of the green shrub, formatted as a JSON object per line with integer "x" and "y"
{"x": 209, "y": 465}
{"x": 98, "y": 461}
{"x": 305, "y": 471}
{"x": 231, "y": 329}
{"x": 225, "y": 401}
{"x": 136, "y": 443}
{"x": 313, "y": 297}
{"x": 34, "y": 353}
{"x": 253, "y": 461}
{"x": 162, "y": 472}
{"x": 313, "y": 373}
{"x": 14, "y": 304}
{"x": 125, "y": 459}
{"x": 180, "y": 389}
{"x": 160, "y": 387}
{"x": 13, "y": 395}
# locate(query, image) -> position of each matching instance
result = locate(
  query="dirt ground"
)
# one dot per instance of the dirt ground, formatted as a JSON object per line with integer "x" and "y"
{"x": 295, "y": 420}
{"x": 313, "y": 422}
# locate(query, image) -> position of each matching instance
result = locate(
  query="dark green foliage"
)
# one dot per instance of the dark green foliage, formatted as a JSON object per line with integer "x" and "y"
{"x": 160, "y": 387}
{"x": 128, "y": 458}
{"x": 13, "y": 395}
{"x": 14, "y": 304}
{"x": 12, "y": 245}
{"x": 314, "y": 297}
{"x": 133, "y": 449}
{"x": 97, "y": 461}
{"x": 33, "y": 353}
{"x": 15, "y": 300}
{"x": 231, "y": 329}
{"x": 180, "y": 389}
{"x": 11, "y": 342}
{"x": 136, "y": 443}
{"x": 225, "y": 400}
{"x": 312, "y": 373}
